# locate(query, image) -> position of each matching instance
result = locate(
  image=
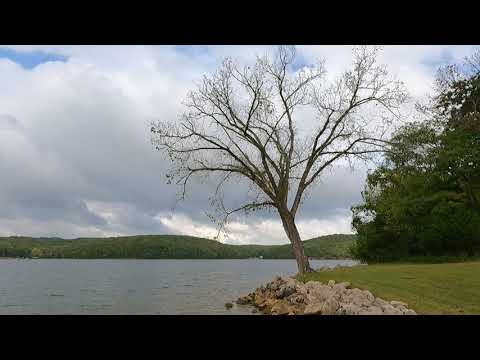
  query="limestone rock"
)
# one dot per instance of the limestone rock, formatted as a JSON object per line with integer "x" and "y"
{"x": 369, "y": 296}
{"x": 245, "y": 300}
{"x": 351, "y": 309}
{"x": 330, "y": 307}
{"x": 340, "y": 288}
{"x": 288, "y": 296}
{"x": 381, "y": 302}
{"x": 391, "y": 310}
{"x": 281, "y": 308}
{"x": 398, "y": 303}
{"x": 344, "y": 284}
{"x": 284, "y": 291}
{"x": 313, "y": 309}
{"x": 372, "y": 310}
{"x": 296, "y": 299}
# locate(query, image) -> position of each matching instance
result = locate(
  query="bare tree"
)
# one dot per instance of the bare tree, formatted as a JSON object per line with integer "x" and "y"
{"x": 279, "y": 126}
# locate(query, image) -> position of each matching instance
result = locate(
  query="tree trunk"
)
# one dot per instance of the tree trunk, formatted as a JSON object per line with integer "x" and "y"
{"x": 297, "y": 246}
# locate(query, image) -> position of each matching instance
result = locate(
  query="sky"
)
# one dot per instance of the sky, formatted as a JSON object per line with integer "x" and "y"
{"x": 75, "y": 152}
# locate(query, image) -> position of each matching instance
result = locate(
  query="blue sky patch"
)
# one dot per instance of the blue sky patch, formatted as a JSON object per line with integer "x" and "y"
{"x": 435, "y": 62}
{"x": 28, "y": 60}
{"x": 192, "y": 50}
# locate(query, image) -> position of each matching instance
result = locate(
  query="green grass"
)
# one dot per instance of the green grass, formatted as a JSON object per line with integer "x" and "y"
{"x": 449, "y": 288}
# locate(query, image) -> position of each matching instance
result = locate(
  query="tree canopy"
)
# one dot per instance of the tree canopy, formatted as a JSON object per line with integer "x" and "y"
{"x": 278, "y": 126}
{"x": 423, "y": 200}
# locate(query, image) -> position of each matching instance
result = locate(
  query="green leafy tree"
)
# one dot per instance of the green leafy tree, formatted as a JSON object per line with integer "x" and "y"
{"x": 424, "y": 199}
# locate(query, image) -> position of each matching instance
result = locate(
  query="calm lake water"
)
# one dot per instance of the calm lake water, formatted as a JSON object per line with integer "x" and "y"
{"x": 135, "y": 286}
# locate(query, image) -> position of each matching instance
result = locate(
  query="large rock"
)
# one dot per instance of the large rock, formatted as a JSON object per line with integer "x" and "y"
{"x": 372, "y": 310}
{"x": 380, "y": 302}
{"x": 358, "y": 297}
{"x": 245, "y": 300}
{"x": 345, "y": 285}
{"x": 296, "y": 299}
{"x": 267, "y": 304}
{"x": 340, "y": 288}
{"x": 398, "y": 303}
{"x": 369, "y": 296}
{"x": 350, "y": 309}
{"x": 391, "y": 310}
{"x": 285, "y": 290}
{"x": 327, "y": 307}
{"x": 330, "y": 307}
{"x": 314, "y": 308}
{"x": 284, "y": 296}
{"x": 282, "y": 308}
{"x": 317, "y": 291}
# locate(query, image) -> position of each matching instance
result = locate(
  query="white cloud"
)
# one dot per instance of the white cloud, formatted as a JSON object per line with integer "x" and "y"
{"x": 253, "y": 231}
{"x": 75, "y": 156}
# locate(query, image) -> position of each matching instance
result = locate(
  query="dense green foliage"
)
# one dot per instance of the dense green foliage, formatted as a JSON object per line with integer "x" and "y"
{"x": 165, "y": 247}
{"x": 450, "y": 288}
{"x": 423, "y": 201}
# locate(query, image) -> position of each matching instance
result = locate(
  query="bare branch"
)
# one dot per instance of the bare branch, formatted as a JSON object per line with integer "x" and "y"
{"x": 278, "y": 125}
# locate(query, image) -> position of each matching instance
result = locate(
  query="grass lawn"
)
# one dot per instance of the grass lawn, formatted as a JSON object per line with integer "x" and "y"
{"x": 449, "y": 288}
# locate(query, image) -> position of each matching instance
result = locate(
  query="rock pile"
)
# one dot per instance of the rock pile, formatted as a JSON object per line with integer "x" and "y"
{"x": 287, "y": 296}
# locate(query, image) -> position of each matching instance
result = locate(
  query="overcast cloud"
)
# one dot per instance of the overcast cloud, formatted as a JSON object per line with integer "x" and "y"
{"x": 75, "y": 152}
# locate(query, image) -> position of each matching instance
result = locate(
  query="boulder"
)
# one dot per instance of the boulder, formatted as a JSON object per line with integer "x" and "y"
{"x": 275, "y": 284}
{"x": 398, "y": 303}
{"x": 369, "y": 296}
{"x": 355, "y": 297}
{"x": 380, "y": 302}
{"x": 314, "y": 308}
{"x": 296, "y": 299}
{"x": 344, "y": 284}
{"x": 267, "y": 304}
{"x": 281, "y": 308}
{"x": 339, "y": 288}
{"x": 372, "y": 310}
{"x": 317, "y": 291}
{"x": 350, "y": 309}
{"x": 245, "y": 300}
{"x": 259, "y": 298}
{"x": 391, "y": 310}
{"x": 287, "y": 296}
{"x": 284, "y": 291}
{"x": 228, "y": 305}
{"x": 330, "y": 307}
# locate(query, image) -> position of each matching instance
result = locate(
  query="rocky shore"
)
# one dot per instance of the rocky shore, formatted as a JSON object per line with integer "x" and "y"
{"x": 288, "y": 296}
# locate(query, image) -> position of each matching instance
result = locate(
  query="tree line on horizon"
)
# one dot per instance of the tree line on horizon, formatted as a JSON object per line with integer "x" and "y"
{"x": 166, "y": 247}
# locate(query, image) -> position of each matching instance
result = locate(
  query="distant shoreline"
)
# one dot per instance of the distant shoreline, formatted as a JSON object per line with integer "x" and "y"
{"x": 334, "y": 246}
{"x": 106, "y": 258}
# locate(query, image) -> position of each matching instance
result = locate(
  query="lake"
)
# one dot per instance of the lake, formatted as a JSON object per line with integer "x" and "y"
{"x": 60, "y": 286}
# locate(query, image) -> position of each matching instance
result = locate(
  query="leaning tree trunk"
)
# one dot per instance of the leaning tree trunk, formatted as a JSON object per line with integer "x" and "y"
{"x": 297, "y": 246}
